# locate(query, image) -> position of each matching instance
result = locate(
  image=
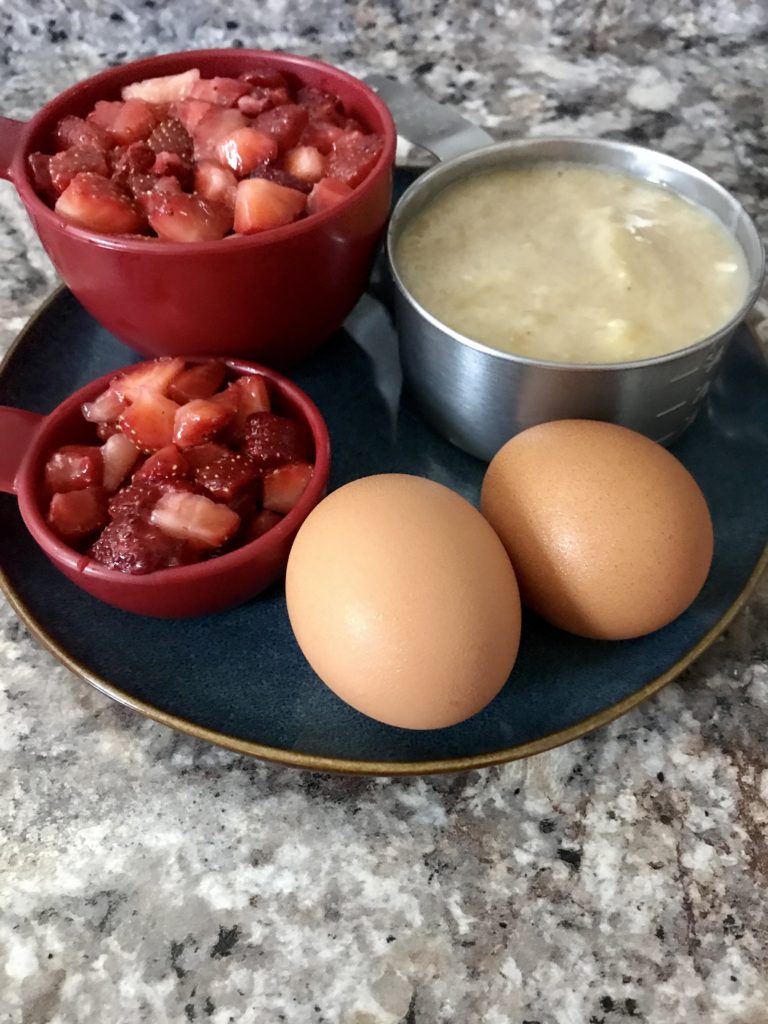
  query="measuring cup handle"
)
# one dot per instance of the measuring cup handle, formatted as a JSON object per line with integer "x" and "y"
{"x": 17, "y": 430}
{"x": 427, "y": 123}
{"x": 10, "y": 140}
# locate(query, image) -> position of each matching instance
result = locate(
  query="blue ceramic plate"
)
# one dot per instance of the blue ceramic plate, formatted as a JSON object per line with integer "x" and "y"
{"x": 238, "y": 678}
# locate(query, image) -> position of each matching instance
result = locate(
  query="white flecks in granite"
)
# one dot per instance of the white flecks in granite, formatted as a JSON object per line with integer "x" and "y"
{"x": 146, "y": 877}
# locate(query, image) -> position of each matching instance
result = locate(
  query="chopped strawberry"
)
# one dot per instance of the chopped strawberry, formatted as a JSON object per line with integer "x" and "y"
{"x": 106, "y": 407}
{"x": 40, "y": 169}
{"x": 285, "y": 123}
{"x": 119, "y": 456}
{"x": 74, "y": 131}
{"x": 261, "y": 204}
{"x": 165, "y": 89}
{"x": 199, "y": 381}
{"x": 124, "y": 123}
{"x": 327, "y": 193}
{"x": 271, "y": 440}
{"x": 216, "y": 182}
{"x": 284, "y": 486}
{"x": 171, "y": 165}
{"x": 191, "y": 112}
{"x": 321, "y": 135}
{"x": 261, "y": 98}
{"x": 185, "y": 218}
{"x": 227, "y": 478}
{"x": 263, "y": 74}
{"x": 223, "y": 91}
{"x": 199, "y": 421}
{"x": 139, "y": 497}
{"x": 280, "y": 177}
{"x": 132, "y": 544}
{"x": 137, "y": 158}
{"x": 321, "y": 106}
{"x": 166, "y": 464}
{"x": 246, "y": 148}
{"x": 154, "y": 377}
{"x": 262, "y": 523}
{"x": 73, "y": 467}
{"x": 213, "y": 129}
{"x": 170, "y": 136}
{"x": 77, "y": 160}
{"x": 98, "y": 204}
{"x": 107, "y": 429}
{"x": 205, "y": 455}
{"x": 305, "y": 162}
{"x": 353, "y": 156}
{"x": 151, "y": 191}
{"x": 250, "y": 394}
{"x": 148, "y": 421}
{"x": 195, "y": 518}
{"x": 76, "y": 515}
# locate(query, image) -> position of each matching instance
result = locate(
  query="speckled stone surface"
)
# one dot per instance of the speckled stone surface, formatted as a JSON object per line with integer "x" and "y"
{"x": 145, "y": 877}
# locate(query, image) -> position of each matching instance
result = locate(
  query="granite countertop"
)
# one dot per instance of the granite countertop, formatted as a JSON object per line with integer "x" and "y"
{"x": 146, "y": 877}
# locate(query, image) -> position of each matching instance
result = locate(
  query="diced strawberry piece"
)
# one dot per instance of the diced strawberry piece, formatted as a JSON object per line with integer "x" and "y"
{"x": 73, "y": 467}
{"x": 153, "y": 377}
{"x": 284, "y": 486}
{"x": 285, "y": 123}
{"x": 321, "y": 135}
{"x": 305, "y": 162}
{"x": 263, "y": 74}
{"x": 96, "y": 203}
{"x": 40, "y": 169}
{"x": 262, "y": 523}
{"x": 254, "y": 393}
{"x": 327, "y": 193}
{"x": 107, "y": 429}
{"x": 280, "y": 177}
{"x": 166, "y": 464}
{"x": 205, "y": 455}
{"x": 174, "y": 166}
{"x": 199, "y": 381}
{"x": 152, "y": 192}
{"x": 77, "y": 160}
{"x": 74, "y": 131}
{"x": 185, "y": 218}
{"x": 124, "y": 123}
{"x": 246, "y": 148}
{"x": 199, "y": 421}
{"x": 216, "y": 182}
{"x": 213, "y": 129}
{"x": 165, "y": 89}
{"x": 195, "y": 518}
{"x": 271, "y": 440}
{"x": 321, "y": 106}
{"x": 132, "y": 544}
{"x": 353, "y": 157}
{"x": 223, "y": 91}
{"x": 228, "y": 478}
{"x": 76, "y": 515}
{"x": 262, "y": 98}
{"x": 170, "y": 136}
{"x": 119, "y": 456}
{"x": 130, "y": 161}
{"x": 191, "y": 112}
{"x": 140, "y": 496}
{"x": 148, "y": 421}
{"x": 107, "y": 406}
{"x": 261, "y": 204}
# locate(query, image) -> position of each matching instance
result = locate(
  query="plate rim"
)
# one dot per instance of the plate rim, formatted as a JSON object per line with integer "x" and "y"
{"x": 352, "y": 766}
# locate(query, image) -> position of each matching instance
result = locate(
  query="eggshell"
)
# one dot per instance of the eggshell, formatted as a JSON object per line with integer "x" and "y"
{"x": 609, "y": 534}
{"x": 404, "y": 601}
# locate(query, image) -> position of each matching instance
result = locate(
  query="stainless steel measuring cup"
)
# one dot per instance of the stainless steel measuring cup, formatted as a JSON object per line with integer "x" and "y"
{"x": 479, "y": 397}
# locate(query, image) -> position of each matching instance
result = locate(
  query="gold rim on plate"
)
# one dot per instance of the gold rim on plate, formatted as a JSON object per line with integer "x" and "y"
{"x": 315, "y": 762}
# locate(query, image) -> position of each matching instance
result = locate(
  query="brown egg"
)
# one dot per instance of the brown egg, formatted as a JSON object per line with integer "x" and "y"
{"x": 609, "y": 534}
{"x": 404, "y": 601}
